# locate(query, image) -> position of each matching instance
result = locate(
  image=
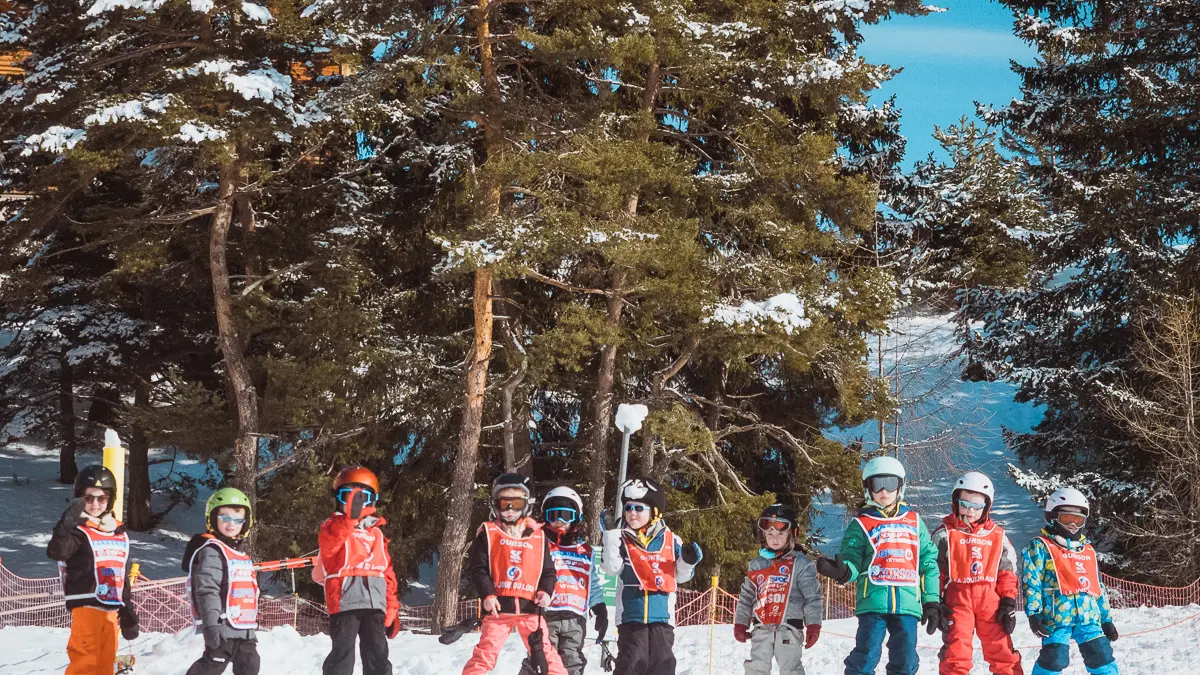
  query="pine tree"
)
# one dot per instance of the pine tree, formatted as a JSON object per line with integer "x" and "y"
{"x": 1110, "y": 103}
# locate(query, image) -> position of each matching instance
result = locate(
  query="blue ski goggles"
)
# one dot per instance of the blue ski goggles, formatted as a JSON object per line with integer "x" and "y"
{"x": 562, "y": 513}
{"x": 344, "y": 495}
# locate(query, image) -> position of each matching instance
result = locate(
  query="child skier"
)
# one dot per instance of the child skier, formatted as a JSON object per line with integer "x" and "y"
{"x": 356, "y": 570}
{"x": 223, "y": 587}
{"x": 92, "y": 551}
{"x": 979, "y": 581}
{"x": 649, "y": 562}
{"x": 781, "y": 593}
{"x": 1063, "y": 596}
{"x": 511, "y": 568}
{"x": 578, "y": 586}
{"x": 887, "y": 550}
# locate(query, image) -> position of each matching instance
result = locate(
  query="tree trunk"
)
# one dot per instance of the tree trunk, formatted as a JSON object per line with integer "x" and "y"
{"x": 137, "y": 503}
{"x": 462, "y": 483}
{"x": 67, "y": 468}
{"x": 602, "y": 402}
{"x": 245, "y": 447}
{"x": 518, "y": 363}
{"x": 458, "y": 518}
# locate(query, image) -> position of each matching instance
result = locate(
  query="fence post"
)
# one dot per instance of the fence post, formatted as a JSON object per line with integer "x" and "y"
{"x": 712, "y": 619}
{"x": 295, "y": 602}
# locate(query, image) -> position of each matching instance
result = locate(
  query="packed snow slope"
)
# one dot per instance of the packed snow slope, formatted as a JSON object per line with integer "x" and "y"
{"x": 42, "y": 651}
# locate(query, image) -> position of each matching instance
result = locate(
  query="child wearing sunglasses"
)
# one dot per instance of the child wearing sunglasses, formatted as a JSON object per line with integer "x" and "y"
{"x": 223, "y": 587}
{"x": 649, "y": 562}
{"x": 355, "y": 568}
{"x": 781, "y": 596}
{"x": 511, "y": 568}
{"x": 577, "y": 589}
{"x": 979, "y": 581}
{"x": 887, "y": 553}
{"x": 1063, "y": 596}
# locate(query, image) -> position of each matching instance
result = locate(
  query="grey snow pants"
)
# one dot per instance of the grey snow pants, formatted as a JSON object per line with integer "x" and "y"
{"x": 782, "y": 642}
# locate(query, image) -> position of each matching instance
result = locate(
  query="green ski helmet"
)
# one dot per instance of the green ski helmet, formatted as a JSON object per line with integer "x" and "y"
{"x": 227, "y": 497}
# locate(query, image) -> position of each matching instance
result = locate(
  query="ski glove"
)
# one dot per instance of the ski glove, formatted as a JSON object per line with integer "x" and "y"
{"x": 944, "y": 619}
{"x": 1006, "y": 615}
{"x": 128, "y": 620}
{"x": 741, "y": 632}
{"x": 607, "y": 521}
{"x": 834, "y": 569}
{"x": 601, "y": 611}
{"x": 355, "y": 508}
{"x": 391, "y": 623}
{"x": 932, "y": 617}
{"x": 1110, "y": 631}
{"x": 212, "y": 637}
{"x": 811, "y": 632}
{"x": 75, "y": 513}
{"x": 692, "y": 555}
{"x": 1038, "y": 626}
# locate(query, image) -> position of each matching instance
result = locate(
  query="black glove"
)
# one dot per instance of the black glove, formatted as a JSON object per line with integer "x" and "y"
{"x": 128, "y": 620}
{"x": 1006, "y": 615}
{"x": 74, "y": 513}
{"x": 601, "y": 611}
{"x": 834, "y": 569}
{"x": 798, "y": 624}
{"x": 355, "y": 507}
{"x": 1110, "y": 631}
{"x": 1038, "y": 626}
{"x": 944, "y": 619}
{"x": 691, "y": 554}
{"x": 212, "y": 638}
{"x": 607, "y": 521}
{"x": 932, "y": 617}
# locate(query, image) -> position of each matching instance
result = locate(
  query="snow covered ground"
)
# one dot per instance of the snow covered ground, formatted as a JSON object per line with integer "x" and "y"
{"x": 34, "y": 651}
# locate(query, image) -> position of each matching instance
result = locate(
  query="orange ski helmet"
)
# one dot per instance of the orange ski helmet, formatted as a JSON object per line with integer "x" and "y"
{"x": 356, "y": 474}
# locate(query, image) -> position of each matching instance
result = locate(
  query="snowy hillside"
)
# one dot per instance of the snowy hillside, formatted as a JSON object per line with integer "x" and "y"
{"x": 36, "y": 651}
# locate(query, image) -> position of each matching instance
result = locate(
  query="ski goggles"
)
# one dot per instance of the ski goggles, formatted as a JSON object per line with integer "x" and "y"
{"x": 231, "y": 520}
{"x": 510, "y": 503}
{"x": 971, "y": 506}
{"x": 635, "y": 507}
{"x": 562, "y": 513}
{"x": 775, "y": 524}
{"x": 1071, "y": 521}
{"x": 883, "y": 484}
{"x": 346, "y": 495}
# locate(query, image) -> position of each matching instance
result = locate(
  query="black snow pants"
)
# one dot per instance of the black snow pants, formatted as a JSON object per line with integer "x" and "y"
{"x": 243, "y": 654}
{"x": 645, "y": 649}
{"x": 367, "y": 626}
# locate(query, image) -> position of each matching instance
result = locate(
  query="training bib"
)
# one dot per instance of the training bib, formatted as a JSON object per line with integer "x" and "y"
{"x": 896, "y": 543}
{"x": 774, "y": 584}
{"x": 364, "y": 555}
{"x": 241, "y": 594}
{"x": 974, "y": 558}
{"x": 110, "y": 552}
{"x": 655, "y": 571}
{"x": 573, "y": 567}
{"x": 1077, "y": 571}
{"x": 516, "y": 561}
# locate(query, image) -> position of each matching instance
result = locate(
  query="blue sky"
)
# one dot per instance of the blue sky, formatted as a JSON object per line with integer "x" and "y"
{"x": 950, "y": 60}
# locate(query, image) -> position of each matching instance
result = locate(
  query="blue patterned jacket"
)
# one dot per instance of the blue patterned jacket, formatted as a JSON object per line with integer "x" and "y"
{"x": 1043, "y": 597}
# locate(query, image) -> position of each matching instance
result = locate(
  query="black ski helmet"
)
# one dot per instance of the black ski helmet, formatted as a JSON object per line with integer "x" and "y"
{"x": 647, "y": 492}
{"x": 779, "y": 512}
{"x": 515, "y": 481}
{"x": 95, "y": 476}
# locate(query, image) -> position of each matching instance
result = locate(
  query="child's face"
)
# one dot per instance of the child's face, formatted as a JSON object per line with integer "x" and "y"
{"x": 635, "y": 518}
{"x": 95, "y": 502}
{"x": 511, "y": 514}
{"x": 885, "y": 498}
{"x": 231, "y": 520}
{"x": 968, "y": 513}
{"x": 777, "y": 540}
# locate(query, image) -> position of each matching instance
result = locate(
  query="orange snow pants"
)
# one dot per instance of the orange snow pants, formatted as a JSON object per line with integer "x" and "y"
{"x": 92, "y": 646}
{"x": 496, "y": 629}
{"x": 973, "y": 609}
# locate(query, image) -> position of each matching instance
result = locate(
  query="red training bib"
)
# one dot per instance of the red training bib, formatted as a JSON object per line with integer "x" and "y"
{"x": 516, "y": 561}
{"x": 655, "y": 571}
{"x": 774, "y": 584}
{"x": 1077, "y": 571}
{"x": 974, "y": 558}
{"x": 573, "y": 566}
{"x": 110, "y": 552}
{"x": 896, "y": 543}
{"x": 241, "y": 594}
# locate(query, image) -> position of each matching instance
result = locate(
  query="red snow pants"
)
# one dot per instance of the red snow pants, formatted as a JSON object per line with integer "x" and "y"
{"x": 495, "y": 631}
{"x": 973, "y": 609}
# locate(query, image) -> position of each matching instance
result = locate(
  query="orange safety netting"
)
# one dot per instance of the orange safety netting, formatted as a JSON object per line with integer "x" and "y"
{"x": 163, "y": 604}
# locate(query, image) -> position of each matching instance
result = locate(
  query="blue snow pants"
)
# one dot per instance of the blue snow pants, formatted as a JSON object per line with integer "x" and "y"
{"x": 901, "y": 644}
{"x": 1095, "y": 649}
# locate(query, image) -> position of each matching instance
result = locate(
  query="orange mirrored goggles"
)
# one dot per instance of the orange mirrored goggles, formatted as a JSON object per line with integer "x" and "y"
{"x": 776, "y": 524}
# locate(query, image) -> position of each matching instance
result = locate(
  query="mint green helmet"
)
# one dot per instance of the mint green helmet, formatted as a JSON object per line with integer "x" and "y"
{"x": 228, "y": 497}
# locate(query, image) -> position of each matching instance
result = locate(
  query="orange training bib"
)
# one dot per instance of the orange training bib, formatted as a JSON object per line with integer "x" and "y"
{"x": 516, "y": 561}
{"x": 655, "y": 571}
{"x": 974, "y": 558}
{"x": 1077, "y": 571}
{"x": 774, "y": 584}
{"x": 896, "y": 543}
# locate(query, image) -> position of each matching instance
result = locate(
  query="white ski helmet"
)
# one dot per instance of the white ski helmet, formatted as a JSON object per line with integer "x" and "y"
{"x": 564, "y": 492}
{"x": 1066, "y": 497}
{"x": 883, "y": 466}
{"x": 973, "y": 481}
